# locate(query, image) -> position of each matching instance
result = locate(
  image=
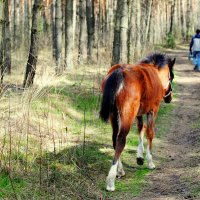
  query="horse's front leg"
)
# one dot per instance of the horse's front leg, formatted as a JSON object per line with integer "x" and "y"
{"x": 150, "y": 134}
{"x": 140, "y": 149}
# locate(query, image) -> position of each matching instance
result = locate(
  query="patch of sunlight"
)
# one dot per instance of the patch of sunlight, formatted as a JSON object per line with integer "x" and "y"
{"x": 72, "y": 113}
{"x": 176, "y": 100}
{"x": 47, "y": 77}
{"x": 57, "y": 145}
{"x": 192, "y": 80}
{"x": 106, "y": 150}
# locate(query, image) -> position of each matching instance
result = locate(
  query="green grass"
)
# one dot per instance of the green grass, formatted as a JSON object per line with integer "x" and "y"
{"x": 6, "y": 187}
{"x": 196, "y": 124}
{"x": 195, "y": 190}
{"x": 68, "y": 167}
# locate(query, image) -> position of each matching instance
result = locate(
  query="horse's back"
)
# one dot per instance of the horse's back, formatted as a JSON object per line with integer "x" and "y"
{"x": 142, "y": 88}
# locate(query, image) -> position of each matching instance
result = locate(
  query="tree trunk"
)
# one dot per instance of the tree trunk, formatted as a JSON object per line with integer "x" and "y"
{"x": 138, "y": 29}
{"x": 120, "y": 48}
{"x": 26, "y": 23}
{"x": 171, "y": 30}
{"x": 16, "y": 24}
{"x": 69, "y": 33}
{"x": 189, "y": 21}
{"x": 44, "y": 20}
{"x": 148, "y": 21}
{"x": 108, "y": 33}
{"x": 82, "y": 31}
{"x": 58, "y": 35}
{"x": 6, "y": 39}
{"x": 1, "y": 38}
{"x": 53, "y": 29}
{"x": 90, "y": 28}
{"x": 33, "y": 53}
{"x": 183, "y": 20}
{"x": 131, "y": 32}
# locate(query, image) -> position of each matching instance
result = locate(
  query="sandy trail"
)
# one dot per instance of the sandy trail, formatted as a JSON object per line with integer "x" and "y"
{"x": 179, "y": 173}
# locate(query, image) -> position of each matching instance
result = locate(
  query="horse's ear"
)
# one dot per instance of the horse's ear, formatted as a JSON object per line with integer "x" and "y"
{"x": 172, "y": 62}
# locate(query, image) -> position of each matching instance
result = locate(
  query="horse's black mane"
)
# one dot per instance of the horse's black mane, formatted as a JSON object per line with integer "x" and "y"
{"x": 158, "y": 59}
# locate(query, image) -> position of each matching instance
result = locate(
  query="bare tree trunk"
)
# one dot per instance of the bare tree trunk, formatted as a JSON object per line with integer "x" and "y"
{"x": 69, "y": 33}
{"x": 26, "y": 23}
{"x": 53, "y": 29}
{"x": 189, "y": 21}
{"x": 6, "y": 38}
{"x": 138, "y": 29}
{"x": 1, "y": 39}
{"x": 120, "y": 48}
{"x": 131, "y": 32}
{"x": 148, "y": 21}
{"x": 178, "y": 25}
{"x": 109, "y": 23}
{"x": 90, "y": 28}
{"x": 33, "y": 53}
{"x": 171, "y": 30}
{"x": 58, "y": 34}
{"x": 183, "y": 20}
{"x": 44, "y": 20}
{"x": 16, "y": 24}
{"x": 82, "y": 31}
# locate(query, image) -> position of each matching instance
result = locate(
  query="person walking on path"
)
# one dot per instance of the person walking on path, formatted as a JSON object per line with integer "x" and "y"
{"x": 195, "y": 50}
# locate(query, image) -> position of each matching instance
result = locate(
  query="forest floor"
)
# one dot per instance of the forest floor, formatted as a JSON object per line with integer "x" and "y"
{"x": 177, "y": 177}
{"x": 54, "y": 146}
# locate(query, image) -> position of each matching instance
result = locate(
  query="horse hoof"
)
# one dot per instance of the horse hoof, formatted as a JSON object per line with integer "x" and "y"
{"x": 120, "y": 174}
{"x": 140, "y": 161}
{"x": 151, "y": 166}
{"x": 110, "y": 188}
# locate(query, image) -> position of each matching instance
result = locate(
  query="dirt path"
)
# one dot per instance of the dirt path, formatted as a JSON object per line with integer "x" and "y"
{"x": 178, "y": 176}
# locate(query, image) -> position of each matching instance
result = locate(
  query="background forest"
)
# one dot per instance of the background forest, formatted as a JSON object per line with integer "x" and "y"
{"x": 53, "y": 55}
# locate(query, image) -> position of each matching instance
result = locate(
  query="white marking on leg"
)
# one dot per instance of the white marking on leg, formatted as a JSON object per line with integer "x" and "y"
{"x": 140, "y": 148}
{"x": 110, "y": 181}
{"x": 120, "y": 170}
{"x": 149, "y": 159}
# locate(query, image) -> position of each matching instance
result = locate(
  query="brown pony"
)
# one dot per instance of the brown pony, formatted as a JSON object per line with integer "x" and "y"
{"x": 130, "y": 91}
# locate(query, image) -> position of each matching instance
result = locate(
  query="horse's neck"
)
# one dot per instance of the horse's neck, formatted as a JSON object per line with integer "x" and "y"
{"x": 163, "y": 75}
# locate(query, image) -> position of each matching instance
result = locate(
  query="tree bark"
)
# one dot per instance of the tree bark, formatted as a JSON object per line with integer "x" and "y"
{"x": 120, "y": 48}
{"x": 183, "y": 20}
{"x": 82, "y": 31}
{"x": 69, "y": 33}
{"x": 138, "y": 29}
{"x": 131, "y": 32}
{"x": 1, "y": 39}
{"x": 172, "y": 18}
{"x": 90, "y": 28}
{"x": 16, "y": 24}
{"x": 6, "y": 39}
{"x": 189, "y": 21}
{"x": 44, "y": 20}
{"x": 58, "y": 34}
{"x": 108, "y": 33}
{"x": 148, "y": 21}
{"x": 26, "y": 23}
{"x": 53, "y": 29}
{"x": 33, "y": 53}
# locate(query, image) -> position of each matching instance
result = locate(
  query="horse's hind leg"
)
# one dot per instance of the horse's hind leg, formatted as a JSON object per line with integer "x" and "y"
{"x": 140, "y": 149}
{"x": 120, "y": 143}
{"x": 150, "y": 135}
{"x": 125, "y": 124}
{"x": 115, "y": 127}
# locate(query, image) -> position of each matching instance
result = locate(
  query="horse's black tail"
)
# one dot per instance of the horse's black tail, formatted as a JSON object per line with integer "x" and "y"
{"x": 111, "y": 88}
